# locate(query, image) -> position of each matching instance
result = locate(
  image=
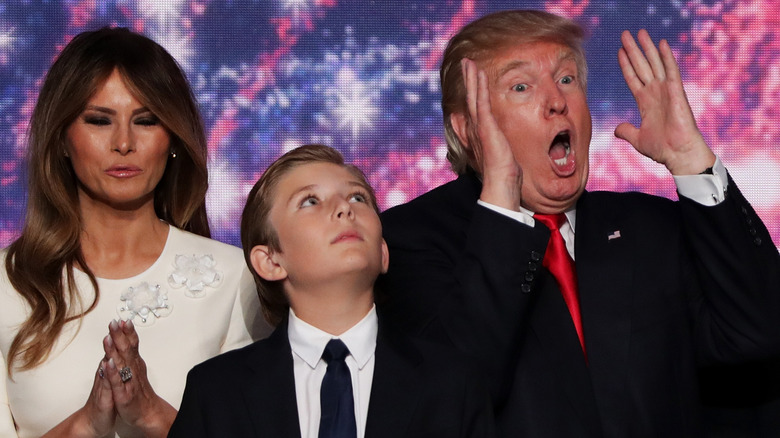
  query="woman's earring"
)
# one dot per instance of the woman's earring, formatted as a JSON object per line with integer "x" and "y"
{"x": 173, "y": 153}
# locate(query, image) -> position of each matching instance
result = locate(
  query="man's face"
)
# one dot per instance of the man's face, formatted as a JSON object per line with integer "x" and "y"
{"x": 539, "y": 102}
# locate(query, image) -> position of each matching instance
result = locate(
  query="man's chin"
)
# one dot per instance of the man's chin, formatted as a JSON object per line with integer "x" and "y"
{"x": 554, "y": 202}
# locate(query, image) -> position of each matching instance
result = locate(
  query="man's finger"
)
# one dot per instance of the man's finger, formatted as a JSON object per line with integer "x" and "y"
{"x": 637, "y": 59}
{"x": 651, "y": 54}
{"x": 670, "y": 63}
{"x": 628, "y": 132}
{"x": 629, "y": 74}
{"x": 469, "y": 81}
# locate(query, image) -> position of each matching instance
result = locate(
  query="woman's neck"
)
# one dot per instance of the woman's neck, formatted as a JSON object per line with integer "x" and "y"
{"x": 121, "y": 243}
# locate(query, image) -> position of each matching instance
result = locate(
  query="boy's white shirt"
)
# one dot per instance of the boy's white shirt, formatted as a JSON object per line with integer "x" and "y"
{"x": 307, "y": 343}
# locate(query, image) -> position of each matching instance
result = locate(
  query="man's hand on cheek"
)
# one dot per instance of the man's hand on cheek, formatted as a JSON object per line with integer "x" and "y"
{"x": 501, "y": 175}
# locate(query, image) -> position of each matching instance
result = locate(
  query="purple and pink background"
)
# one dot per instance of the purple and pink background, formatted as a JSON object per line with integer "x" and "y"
{"x": 362, "y": 76}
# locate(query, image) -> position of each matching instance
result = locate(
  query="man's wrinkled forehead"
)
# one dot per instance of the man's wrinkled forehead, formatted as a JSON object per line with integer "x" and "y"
{"x": 524, "y": 56}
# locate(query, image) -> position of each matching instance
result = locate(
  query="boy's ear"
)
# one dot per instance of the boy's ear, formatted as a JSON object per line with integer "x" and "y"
{"x": 385, "y": 257}
{"x": 459, "y": 125}
{"x": 263, "y": 263}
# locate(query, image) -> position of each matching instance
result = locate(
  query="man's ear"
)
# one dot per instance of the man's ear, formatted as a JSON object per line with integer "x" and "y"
{"x": 264, "y": 263}
{"x": 385, "y": 257}
{"x": 460, "y": 126}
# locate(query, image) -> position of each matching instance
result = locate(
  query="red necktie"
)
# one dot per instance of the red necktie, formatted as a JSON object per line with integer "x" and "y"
{"x": 558, "y": 261}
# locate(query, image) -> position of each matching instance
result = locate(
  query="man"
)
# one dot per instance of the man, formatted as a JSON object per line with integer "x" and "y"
{"x": 657, "y": 287}
{"x": 312, "y": 236}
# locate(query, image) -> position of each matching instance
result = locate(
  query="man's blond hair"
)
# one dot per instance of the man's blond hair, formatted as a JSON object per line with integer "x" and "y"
{"x": 482, "y": 39}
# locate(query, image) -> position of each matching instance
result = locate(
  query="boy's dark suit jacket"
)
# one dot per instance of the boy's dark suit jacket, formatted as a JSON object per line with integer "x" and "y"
{"x": 664, "y": 287}
{"x": 419, "y": 389}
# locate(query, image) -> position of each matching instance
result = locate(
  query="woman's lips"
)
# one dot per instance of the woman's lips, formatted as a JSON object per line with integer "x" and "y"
{"x": 123, "y": 171}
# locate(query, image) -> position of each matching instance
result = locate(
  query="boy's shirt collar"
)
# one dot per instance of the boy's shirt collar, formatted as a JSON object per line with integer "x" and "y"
{"x": 308, "y": 342}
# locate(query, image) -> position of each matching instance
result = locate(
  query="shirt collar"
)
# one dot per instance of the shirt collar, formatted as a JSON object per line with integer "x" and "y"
{"x": 571, "y": 216}
{"x": 308, "y": 342}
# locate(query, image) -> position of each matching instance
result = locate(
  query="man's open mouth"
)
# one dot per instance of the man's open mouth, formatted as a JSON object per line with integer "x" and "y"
{"x": 560, "y": 149}
{"x": 562, "y": 155}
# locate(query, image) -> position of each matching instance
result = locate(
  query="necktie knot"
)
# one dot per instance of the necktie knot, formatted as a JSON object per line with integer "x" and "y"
{"x": 552, "y": 221}
{"x": 335, "y": 350}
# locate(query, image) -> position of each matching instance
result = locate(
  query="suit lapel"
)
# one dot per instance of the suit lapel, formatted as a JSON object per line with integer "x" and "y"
{"x": 604, "y": 261}
{"x": 553, "y": 327}
{"x": 270, "y": 387}
{"x": 395, "y": 390}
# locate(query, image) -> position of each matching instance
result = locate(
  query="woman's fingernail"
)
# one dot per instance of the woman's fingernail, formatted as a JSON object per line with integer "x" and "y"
{"x": 114, "y": 324}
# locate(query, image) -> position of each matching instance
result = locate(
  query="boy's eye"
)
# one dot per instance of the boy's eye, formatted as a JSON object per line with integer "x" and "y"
{"x": 567, "y": 79}
{"x": 98, "y": 121}
{"x": 358, "y": 197}
{"x": 519, "y": 87}
{"x": 309, "y": 201}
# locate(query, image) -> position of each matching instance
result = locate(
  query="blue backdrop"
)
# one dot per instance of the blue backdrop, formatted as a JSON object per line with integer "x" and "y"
{"x": 362, "y": 76}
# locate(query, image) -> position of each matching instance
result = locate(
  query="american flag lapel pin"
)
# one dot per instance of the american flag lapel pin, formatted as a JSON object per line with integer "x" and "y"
{"x": 614, "y": 235}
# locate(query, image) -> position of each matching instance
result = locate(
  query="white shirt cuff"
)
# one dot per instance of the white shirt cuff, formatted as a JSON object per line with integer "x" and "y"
{"x": 519, "y": 216}
{"x": 705, "y": 189}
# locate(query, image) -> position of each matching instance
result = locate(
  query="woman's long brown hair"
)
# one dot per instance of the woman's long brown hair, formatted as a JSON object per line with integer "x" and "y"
{"x": 40, "y": 263}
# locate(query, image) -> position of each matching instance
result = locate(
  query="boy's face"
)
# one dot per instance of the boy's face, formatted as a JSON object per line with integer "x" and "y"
{"x": 326, "y": 226}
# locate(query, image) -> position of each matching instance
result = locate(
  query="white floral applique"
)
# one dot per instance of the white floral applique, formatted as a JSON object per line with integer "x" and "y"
{"x": 195, "y": 273}
{"x": 144, "y": 304}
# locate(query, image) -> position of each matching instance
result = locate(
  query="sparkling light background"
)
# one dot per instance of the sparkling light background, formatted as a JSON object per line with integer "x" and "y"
{"x": 362, "y": 76}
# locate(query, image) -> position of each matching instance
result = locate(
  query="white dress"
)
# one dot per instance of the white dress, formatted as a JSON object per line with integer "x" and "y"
{"x": 196, "y": 301}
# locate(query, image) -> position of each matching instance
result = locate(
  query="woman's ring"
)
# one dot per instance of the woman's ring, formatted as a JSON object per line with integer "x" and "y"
{"x": 125, "y": 374}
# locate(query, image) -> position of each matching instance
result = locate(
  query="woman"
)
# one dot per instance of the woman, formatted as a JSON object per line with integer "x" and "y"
{"x": 116, "y": 235}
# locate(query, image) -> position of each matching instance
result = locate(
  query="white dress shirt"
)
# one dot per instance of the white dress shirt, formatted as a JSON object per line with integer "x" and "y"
{"x": 308, "y": 343}
{"x": 705, "y": 189}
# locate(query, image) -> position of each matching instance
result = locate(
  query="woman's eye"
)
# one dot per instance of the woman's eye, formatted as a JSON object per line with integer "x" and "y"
{"x": 309, "y": 201}
{"x": 567, "y": 79}
{"x": 147, "y": 121}
{"x": 358, "y": 197}
{"x": 519, "y": 87}
{"x": 98, "y": 121}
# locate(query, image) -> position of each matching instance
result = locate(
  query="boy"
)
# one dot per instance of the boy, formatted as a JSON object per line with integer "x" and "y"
{"x": 312, "y": 236}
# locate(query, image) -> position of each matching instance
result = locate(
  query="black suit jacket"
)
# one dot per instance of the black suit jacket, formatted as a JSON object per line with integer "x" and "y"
{"x": 419, "y": 389}
{"x": 664, "y": 286}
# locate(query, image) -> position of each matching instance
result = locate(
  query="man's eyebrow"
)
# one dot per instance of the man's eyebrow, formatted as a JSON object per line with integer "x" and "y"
{"x": 567, "y": 55}
{"x": 511, "y": 66}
